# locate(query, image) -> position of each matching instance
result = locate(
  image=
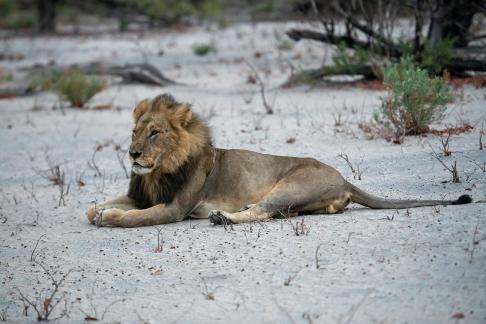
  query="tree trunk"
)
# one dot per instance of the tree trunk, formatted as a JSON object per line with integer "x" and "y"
{"x": 47, "y": 15}
{"x": 452, "y": 19}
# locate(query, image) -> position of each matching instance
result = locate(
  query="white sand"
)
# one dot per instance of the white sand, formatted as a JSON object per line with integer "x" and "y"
{"x": 376, "y": 266}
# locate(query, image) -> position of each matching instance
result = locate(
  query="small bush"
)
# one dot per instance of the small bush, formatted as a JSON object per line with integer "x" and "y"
{"x": 6, "y": 7}
{"x": 284, "y": 44}
{"x": 350, "y": 62}
{"x": 5, "y": 76}
{"x": 77, "y": 87}
{"x": 430, "y": 57}
{"x": 19, "y": 20}
{"x": 23, "y": 20}
{"x": 202, "y": 49}
{"x": 414, "y": 100}
{"x": 434, "y": 59}
{"x": 45, "y": 80}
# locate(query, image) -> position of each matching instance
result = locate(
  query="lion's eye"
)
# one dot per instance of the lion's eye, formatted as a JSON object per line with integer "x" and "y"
{"x": 153, "y": 133}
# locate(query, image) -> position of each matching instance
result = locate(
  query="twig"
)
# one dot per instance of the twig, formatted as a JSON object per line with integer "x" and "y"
{"x": 160, "y": 240}
{"x": 474, "y": 243}
{"x": 357, "y": 172}
{"x": 317, "y": 255}
{"x": 481, "y": 133}
{"x": 349, "y": 237}
{"x": 452, "y": 169}
{"x": 445, "y": 144}
{"x": 92, "y": 164}
{"x": 109, "y": 306}
{"x": 355, "y": 308}
{"x": 63, "y": 191}
{"x": 268, "y": 107}
{"x": 32, "y": 257}
{"x": 3, "y": 313}
{"x": 120, "y": 158}
{"x": 47, "y": 305}
{"x": 207, "y": 294}
{"x": 31, "y": 191}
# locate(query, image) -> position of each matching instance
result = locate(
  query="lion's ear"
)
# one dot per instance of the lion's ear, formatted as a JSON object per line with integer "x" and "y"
{"x": 181, "y": 115}
{"x": 140, "y": 109}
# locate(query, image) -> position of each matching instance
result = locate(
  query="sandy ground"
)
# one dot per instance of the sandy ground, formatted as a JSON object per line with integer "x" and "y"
{"x": 427, "y": 265}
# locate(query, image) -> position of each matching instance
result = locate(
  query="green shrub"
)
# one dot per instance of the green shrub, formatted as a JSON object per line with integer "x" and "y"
{"x": 6, "y": 7}
{"x": 260, "y": 8}
{"x": 282, "y": 43}
{"x": 432, "y": 58}
{"x": 348, "y": 62}
{"x": 414, "y": 100}
{"x": 202, "y": 49}
{"x": 170, "y": 10}
{"x": 77, "y": 87}
{"x": 20, "y": 20}
{"x": 45, "y": 80}
{"x": 211, "y": 9}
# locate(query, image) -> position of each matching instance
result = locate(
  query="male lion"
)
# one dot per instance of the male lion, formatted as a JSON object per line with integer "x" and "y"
{"x": 177, "y": 173}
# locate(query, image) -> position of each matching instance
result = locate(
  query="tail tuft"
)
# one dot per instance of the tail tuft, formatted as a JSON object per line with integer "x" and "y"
{"x": 464, "y": 199}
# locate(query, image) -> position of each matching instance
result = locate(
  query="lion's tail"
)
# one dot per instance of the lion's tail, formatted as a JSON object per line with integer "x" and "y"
{"x": 368, "y": 200}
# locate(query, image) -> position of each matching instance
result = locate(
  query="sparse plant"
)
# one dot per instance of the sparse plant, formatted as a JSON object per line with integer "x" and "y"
{"x": 5, "y": 76}
{"x": 120, "y": 156}
{"x": 45, "y": 79}
{"x": 258, "y": 79}
{"x": 6, "y": 7}
{"x": 57, "y": 176}
{"x": 337, "y": 119}
{"x": 452, "y": 168}
{"x": 317, "y": 255}
{"x": 356, "y": 170}
{"x": 92, "y": 164}
{"x": 432, "y": 57}
{"x": 203, "y": 49}
{"x": 93, "y": 315}
{"x": 208, "y": 295}
{"x": 349, "y": 61}
{"x": 160, "y": 240}
{"x": 444, "y": 140}
{"x": 18, "y": 19}
{"x": 299, "y": 228}
{"x": 3, "y": 314}
{"x": 481, "y": 133}
{"x": 282, "y": 43}
{"x": 46, "y": 306}
{"x": 77, "y": 87}
{"x": 414, "y": 100}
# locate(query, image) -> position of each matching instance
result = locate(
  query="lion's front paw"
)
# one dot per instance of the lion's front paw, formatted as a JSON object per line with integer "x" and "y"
{"x": 108, "y": 217}
{"x": 91, "y": 214}
{"x": 217, "y": 217}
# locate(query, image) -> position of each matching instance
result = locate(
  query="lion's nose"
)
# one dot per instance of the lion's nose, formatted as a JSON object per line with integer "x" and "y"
{"x": 135, "y": 154}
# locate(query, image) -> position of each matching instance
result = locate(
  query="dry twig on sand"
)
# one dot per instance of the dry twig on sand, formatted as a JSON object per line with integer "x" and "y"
{"x": 45, "y": 307}
{"x": 268, "y": 107}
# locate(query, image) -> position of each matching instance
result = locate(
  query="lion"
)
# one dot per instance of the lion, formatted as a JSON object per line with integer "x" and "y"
{"x": 177, "y": 173}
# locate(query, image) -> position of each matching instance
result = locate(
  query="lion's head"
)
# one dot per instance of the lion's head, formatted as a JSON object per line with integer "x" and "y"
{"x": 165, "y": 135}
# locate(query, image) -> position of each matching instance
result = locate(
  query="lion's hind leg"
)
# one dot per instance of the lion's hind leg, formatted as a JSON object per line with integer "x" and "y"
{"x": 252, "y": 214}
{"x": 303, "y": 190}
